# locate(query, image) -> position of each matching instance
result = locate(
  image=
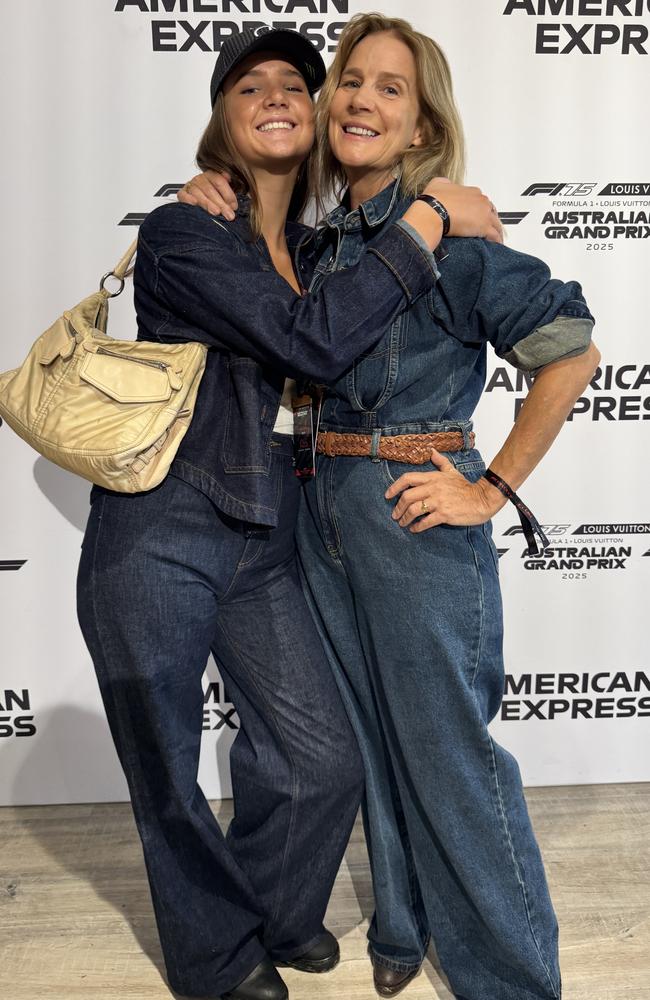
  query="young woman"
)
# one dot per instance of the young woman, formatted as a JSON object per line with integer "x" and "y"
{"x": 206, "y": 561}
{"x": 395, "y": 541}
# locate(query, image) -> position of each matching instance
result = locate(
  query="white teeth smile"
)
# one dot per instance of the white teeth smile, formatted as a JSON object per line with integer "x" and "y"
{"x": 273, "y": 125}
{"x": 356, "y": 130}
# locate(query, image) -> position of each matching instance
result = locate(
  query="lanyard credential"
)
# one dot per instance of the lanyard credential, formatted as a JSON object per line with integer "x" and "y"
{"x": 529, "y": 523}
{"x": 306, "y": 420}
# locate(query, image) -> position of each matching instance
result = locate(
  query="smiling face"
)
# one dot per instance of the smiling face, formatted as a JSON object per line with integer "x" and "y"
{"x": 269, "y": 111}
{"x": 375, "y": 110}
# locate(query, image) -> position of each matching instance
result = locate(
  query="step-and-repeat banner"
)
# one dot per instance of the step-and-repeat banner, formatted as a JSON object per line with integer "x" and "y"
{"x": 102, "y": 106}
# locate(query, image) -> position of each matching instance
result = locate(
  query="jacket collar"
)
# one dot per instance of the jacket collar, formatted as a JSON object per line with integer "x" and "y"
{"x": 373, "y": 212}
{"x": 296, "y": 232}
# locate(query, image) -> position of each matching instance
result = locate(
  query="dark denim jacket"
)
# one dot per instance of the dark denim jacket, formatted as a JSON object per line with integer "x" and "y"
{"x": 427, "y": 372}
{"x": 198, "y": 277}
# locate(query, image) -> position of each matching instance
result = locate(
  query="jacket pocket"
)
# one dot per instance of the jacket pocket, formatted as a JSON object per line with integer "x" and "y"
{"x": 246, "y": 435}
{"x": 372, "y": 378}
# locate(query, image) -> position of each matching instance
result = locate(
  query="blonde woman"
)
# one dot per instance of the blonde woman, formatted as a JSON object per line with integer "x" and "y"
{"x": 395, "y": 540}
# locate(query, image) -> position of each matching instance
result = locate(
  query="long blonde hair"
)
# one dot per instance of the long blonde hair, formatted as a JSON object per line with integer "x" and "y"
{"x": 442, "y": 152}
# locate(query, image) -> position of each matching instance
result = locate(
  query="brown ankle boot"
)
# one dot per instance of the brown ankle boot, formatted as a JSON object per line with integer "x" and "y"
{"x": 388, "y": 982}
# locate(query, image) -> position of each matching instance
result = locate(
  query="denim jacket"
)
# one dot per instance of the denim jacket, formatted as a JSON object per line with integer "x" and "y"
{"x": 199, "y": 277}
{"x": 428, "y": 370}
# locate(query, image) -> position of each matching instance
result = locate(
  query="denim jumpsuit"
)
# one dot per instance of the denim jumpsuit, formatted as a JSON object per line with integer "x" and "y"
{"x": 413, "y": 622}
{"x": 206, "y": 563}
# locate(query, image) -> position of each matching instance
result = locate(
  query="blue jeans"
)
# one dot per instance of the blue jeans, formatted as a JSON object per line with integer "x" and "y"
{"x": 165, "y": 579}
{"x": 413, "y": 626}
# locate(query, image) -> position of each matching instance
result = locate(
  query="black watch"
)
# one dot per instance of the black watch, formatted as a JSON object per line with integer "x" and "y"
{"x": 438, "y": 207}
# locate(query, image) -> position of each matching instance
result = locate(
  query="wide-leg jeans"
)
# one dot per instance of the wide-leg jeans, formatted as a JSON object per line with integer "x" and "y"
{"x": 165, "y": 579}
{"x": 413, "y": 627}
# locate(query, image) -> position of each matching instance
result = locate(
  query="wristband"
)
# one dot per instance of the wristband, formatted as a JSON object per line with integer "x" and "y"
{"x": 529, "y": 523}
{"x": 438, "y": 207}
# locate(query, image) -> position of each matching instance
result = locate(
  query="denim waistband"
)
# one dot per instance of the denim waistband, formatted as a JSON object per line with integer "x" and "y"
{"x": 281, "y": 444}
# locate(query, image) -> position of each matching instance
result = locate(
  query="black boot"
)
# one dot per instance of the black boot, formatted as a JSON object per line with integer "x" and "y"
{"x": 264, "y": 983}
{"x": 388, "y": 982}
{"x": 321, "y": 957}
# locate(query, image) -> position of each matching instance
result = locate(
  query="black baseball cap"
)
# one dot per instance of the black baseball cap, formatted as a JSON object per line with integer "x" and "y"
{"x": 300, "y": 51}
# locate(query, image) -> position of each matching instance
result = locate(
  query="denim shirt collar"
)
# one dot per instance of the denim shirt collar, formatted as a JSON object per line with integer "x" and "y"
{"x": 373, "y": 212}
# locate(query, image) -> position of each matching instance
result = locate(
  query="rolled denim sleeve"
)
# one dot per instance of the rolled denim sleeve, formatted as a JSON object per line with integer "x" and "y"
{"x": 564, "y": 337}
{"x": 510, "y": 299}
{"x": 429, "y": 255}
{"x": 198, "y": 270}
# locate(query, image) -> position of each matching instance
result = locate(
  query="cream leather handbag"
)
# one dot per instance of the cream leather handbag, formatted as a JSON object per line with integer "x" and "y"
{"x": 112, "y": 411}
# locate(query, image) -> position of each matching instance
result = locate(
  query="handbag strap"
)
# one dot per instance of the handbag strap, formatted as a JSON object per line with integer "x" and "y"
{"x": 122, "y": 268}
{"x": 121, "y": 271}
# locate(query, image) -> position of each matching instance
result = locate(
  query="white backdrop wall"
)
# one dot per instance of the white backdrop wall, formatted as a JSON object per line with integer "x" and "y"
{"x": 102, "y": 106}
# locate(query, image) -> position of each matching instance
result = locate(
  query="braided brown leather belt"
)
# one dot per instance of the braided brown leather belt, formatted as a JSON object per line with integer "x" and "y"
{"x": 412, "y": 448}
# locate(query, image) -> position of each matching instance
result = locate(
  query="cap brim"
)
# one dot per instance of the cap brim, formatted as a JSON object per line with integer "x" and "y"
{"x": 302, "y": 54}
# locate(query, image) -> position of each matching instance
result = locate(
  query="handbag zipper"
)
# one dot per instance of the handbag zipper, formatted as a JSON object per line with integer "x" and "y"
{"x": 138, "y": 361}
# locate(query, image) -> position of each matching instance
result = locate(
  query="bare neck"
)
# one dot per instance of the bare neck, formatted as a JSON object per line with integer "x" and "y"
{"x": 275, "y": 192}
{"x": 365, "y": 184}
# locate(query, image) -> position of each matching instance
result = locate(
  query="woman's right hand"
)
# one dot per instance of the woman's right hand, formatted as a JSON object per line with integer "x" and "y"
{"x": 471, "y": 212}
{"x": 211, "y": 191}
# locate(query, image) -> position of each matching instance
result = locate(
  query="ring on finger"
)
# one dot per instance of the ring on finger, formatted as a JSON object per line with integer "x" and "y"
{"x": 425, "y": 507}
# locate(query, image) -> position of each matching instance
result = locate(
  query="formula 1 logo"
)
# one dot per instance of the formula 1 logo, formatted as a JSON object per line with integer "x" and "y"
{"x": 167, "y": 190}
{"x": 512, "y": 218}
{"x": 548, "y": 529}
{"x": 137, "y": 218}
{"x": 11, "y": 565}
{"x": 572, "y": 189}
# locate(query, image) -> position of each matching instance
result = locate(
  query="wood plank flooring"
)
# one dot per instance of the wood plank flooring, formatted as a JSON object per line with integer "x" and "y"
{"x": 76, "y": 920}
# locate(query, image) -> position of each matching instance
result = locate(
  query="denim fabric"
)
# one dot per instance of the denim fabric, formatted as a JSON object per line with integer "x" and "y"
{"x": 198, "y": 277}
{"x": 428, "y": 369}
{"x": 165, "y": 579}
{"x": 413, "y": 623}
{"x": 413, "y": 627}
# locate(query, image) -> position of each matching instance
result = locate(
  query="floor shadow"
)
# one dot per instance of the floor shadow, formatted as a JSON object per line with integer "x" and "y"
{"x": 110, "y": 859}
{"x": 73, "y": 761}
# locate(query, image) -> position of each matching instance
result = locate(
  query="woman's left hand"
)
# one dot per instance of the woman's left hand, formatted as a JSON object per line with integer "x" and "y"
{"x": 443, "y": 497}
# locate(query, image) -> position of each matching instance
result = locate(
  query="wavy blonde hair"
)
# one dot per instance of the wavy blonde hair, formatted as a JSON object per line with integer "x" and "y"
{"x": 442, "y": 152}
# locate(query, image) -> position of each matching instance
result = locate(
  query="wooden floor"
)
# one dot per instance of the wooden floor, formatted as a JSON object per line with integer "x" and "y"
{"x": 76, "y": 921}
